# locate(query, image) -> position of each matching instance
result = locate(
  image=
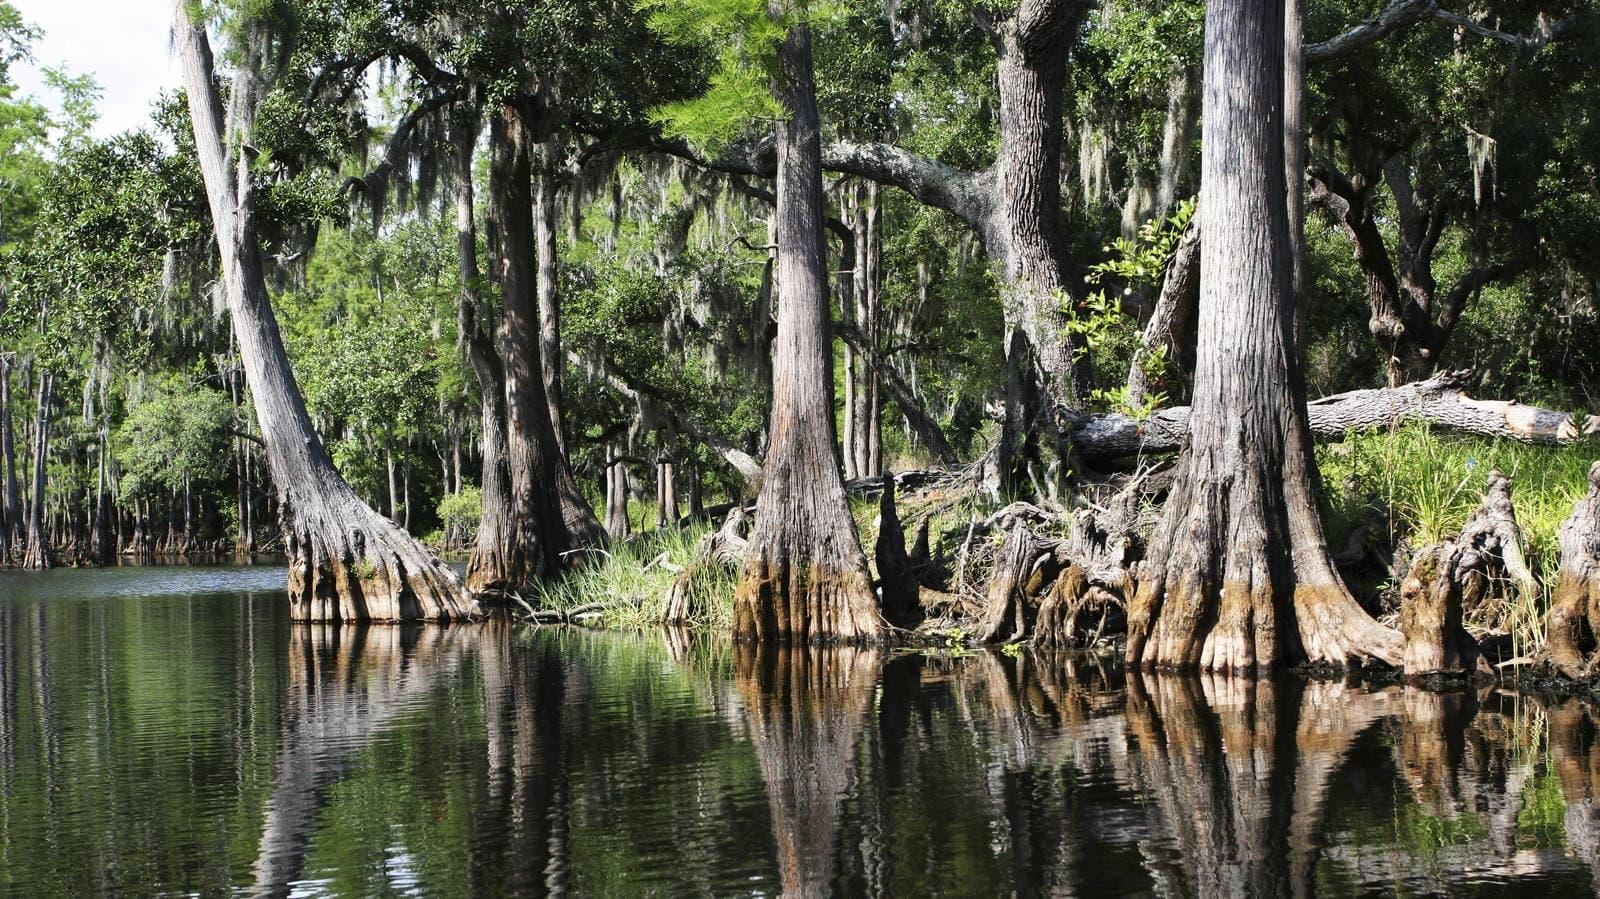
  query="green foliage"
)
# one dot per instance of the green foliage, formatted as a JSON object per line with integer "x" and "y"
{"x": 631, "y": 579}
{"x": 462, "y": 511}
{"x": 180, "y": 437}
{"x": 1105, "y": 332}
{"x": 743, "y": 38}
{"x": 1420, "y": 485}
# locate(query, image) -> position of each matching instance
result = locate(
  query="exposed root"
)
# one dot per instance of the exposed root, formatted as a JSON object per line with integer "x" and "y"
{"x": 355, "y": 567}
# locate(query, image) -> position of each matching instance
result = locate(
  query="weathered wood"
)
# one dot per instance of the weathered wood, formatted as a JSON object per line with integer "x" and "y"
{"x": 1239, "y": 576}
{"x": 724, "y": 547}
{"x": 1022, "y": 570}
{"x": 1432, "y": 597}
{"x": 898, "y": 586}
{"x": 1573, "y": 625}
{"x": 805, "y": 577}
{"x": 1438, "y": 401}
{"x": 346, "y": 562}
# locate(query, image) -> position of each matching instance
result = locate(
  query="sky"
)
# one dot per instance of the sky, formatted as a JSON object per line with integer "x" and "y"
{"x": 124, "y": 44}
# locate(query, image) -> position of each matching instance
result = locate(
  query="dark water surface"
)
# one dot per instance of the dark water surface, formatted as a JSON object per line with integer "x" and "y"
{"x": 168, "y": 731}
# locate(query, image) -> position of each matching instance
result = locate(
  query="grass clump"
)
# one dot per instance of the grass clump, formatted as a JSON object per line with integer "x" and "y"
{"x": 1417, "y": 485}
{"x": 630, "y": 580}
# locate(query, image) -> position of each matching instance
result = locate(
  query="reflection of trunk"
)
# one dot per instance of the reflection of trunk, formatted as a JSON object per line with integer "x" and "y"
{"x": 1211, "y": 754}
{"x": 346, "y": 685}
{"x": 346, "y": 562}
{"x": 807, "y": 709}
{"x": 806, "y": 576}
{"x": 1238, "y": 573}
{"x": 1430, "y": 748}
{"x": 1575, "y": 754}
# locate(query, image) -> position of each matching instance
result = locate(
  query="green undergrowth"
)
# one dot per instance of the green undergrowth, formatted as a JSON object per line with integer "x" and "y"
{"x": 630, "y": 580}
{"x": 1418, "y": 485}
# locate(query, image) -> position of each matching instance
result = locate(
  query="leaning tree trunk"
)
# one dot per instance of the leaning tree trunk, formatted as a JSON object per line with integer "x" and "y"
{"x": 1573, "y": 626}
{"x": 346, "y": 562}
{"x": 805, "y": 577}
{"x": 1238, "y": 574}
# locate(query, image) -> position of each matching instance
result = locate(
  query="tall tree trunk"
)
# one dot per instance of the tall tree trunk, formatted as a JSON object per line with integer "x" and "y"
{"x": 12, "y": 497}
{"x": 394, "y": 492}
{"x": 544, "y": 237}
{"x": 346, "y": 562}
{"x": 852, "y": 277}
{"x": 1238, "y": 575}
{"x": 1023, "y": 234}
{"x": 539, "y": 536}
{"x": 488, "y": 566}
{"x": 805, "y": 577}
{"x": 37, "y": 557}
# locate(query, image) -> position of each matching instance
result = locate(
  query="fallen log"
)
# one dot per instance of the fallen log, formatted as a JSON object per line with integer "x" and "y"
{"x": 1438, "y": 401}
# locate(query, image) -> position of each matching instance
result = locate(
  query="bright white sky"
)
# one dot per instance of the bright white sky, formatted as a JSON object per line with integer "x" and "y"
{"x": 122, "y": 43}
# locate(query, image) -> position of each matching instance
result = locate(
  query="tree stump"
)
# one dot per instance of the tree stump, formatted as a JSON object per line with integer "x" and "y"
{"x": 1432, "y": 597}
{"x": 725, "y": 546}
{"x": 1022, "y": 570}
{"x": 1574, "y": 619}
{"x": 898, "y": 585}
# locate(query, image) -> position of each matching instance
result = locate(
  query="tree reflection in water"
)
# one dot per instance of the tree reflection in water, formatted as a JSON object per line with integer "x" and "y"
{"x": 493, "y": 760}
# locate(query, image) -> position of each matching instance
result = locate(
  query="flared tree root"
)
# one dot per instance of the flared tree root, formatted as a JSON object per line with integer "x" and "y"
{"x": 355, "y": 567}
{"x": 1063, "y": 593}
{"x": 1572, "y": 628}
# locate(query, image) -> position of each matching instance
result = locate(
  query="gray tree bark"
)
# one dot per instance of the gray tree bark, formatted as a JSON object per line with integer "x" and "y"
{"x": 1238, "y": 575}
{"x": 805, "y": 577}
{"x": 346, "y": 562}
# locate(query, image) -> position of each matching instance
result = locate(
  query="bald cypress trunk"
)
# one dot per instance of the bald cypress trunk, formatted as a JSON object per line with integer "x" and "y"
{"x": 346, "y": 562}
{"x": 805, "y": 576}
{"x": 487, "y": 566}
{"x": 1238, "y": 575}
{"x": 539, "y": 536}
{"x": 8, "y": 457}
{"x": 37, "y": 554}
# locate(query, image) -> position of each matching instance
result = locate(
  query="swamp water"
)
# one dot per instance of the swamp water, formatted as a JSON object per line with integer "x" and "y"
{"x": 166, "y": 730}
